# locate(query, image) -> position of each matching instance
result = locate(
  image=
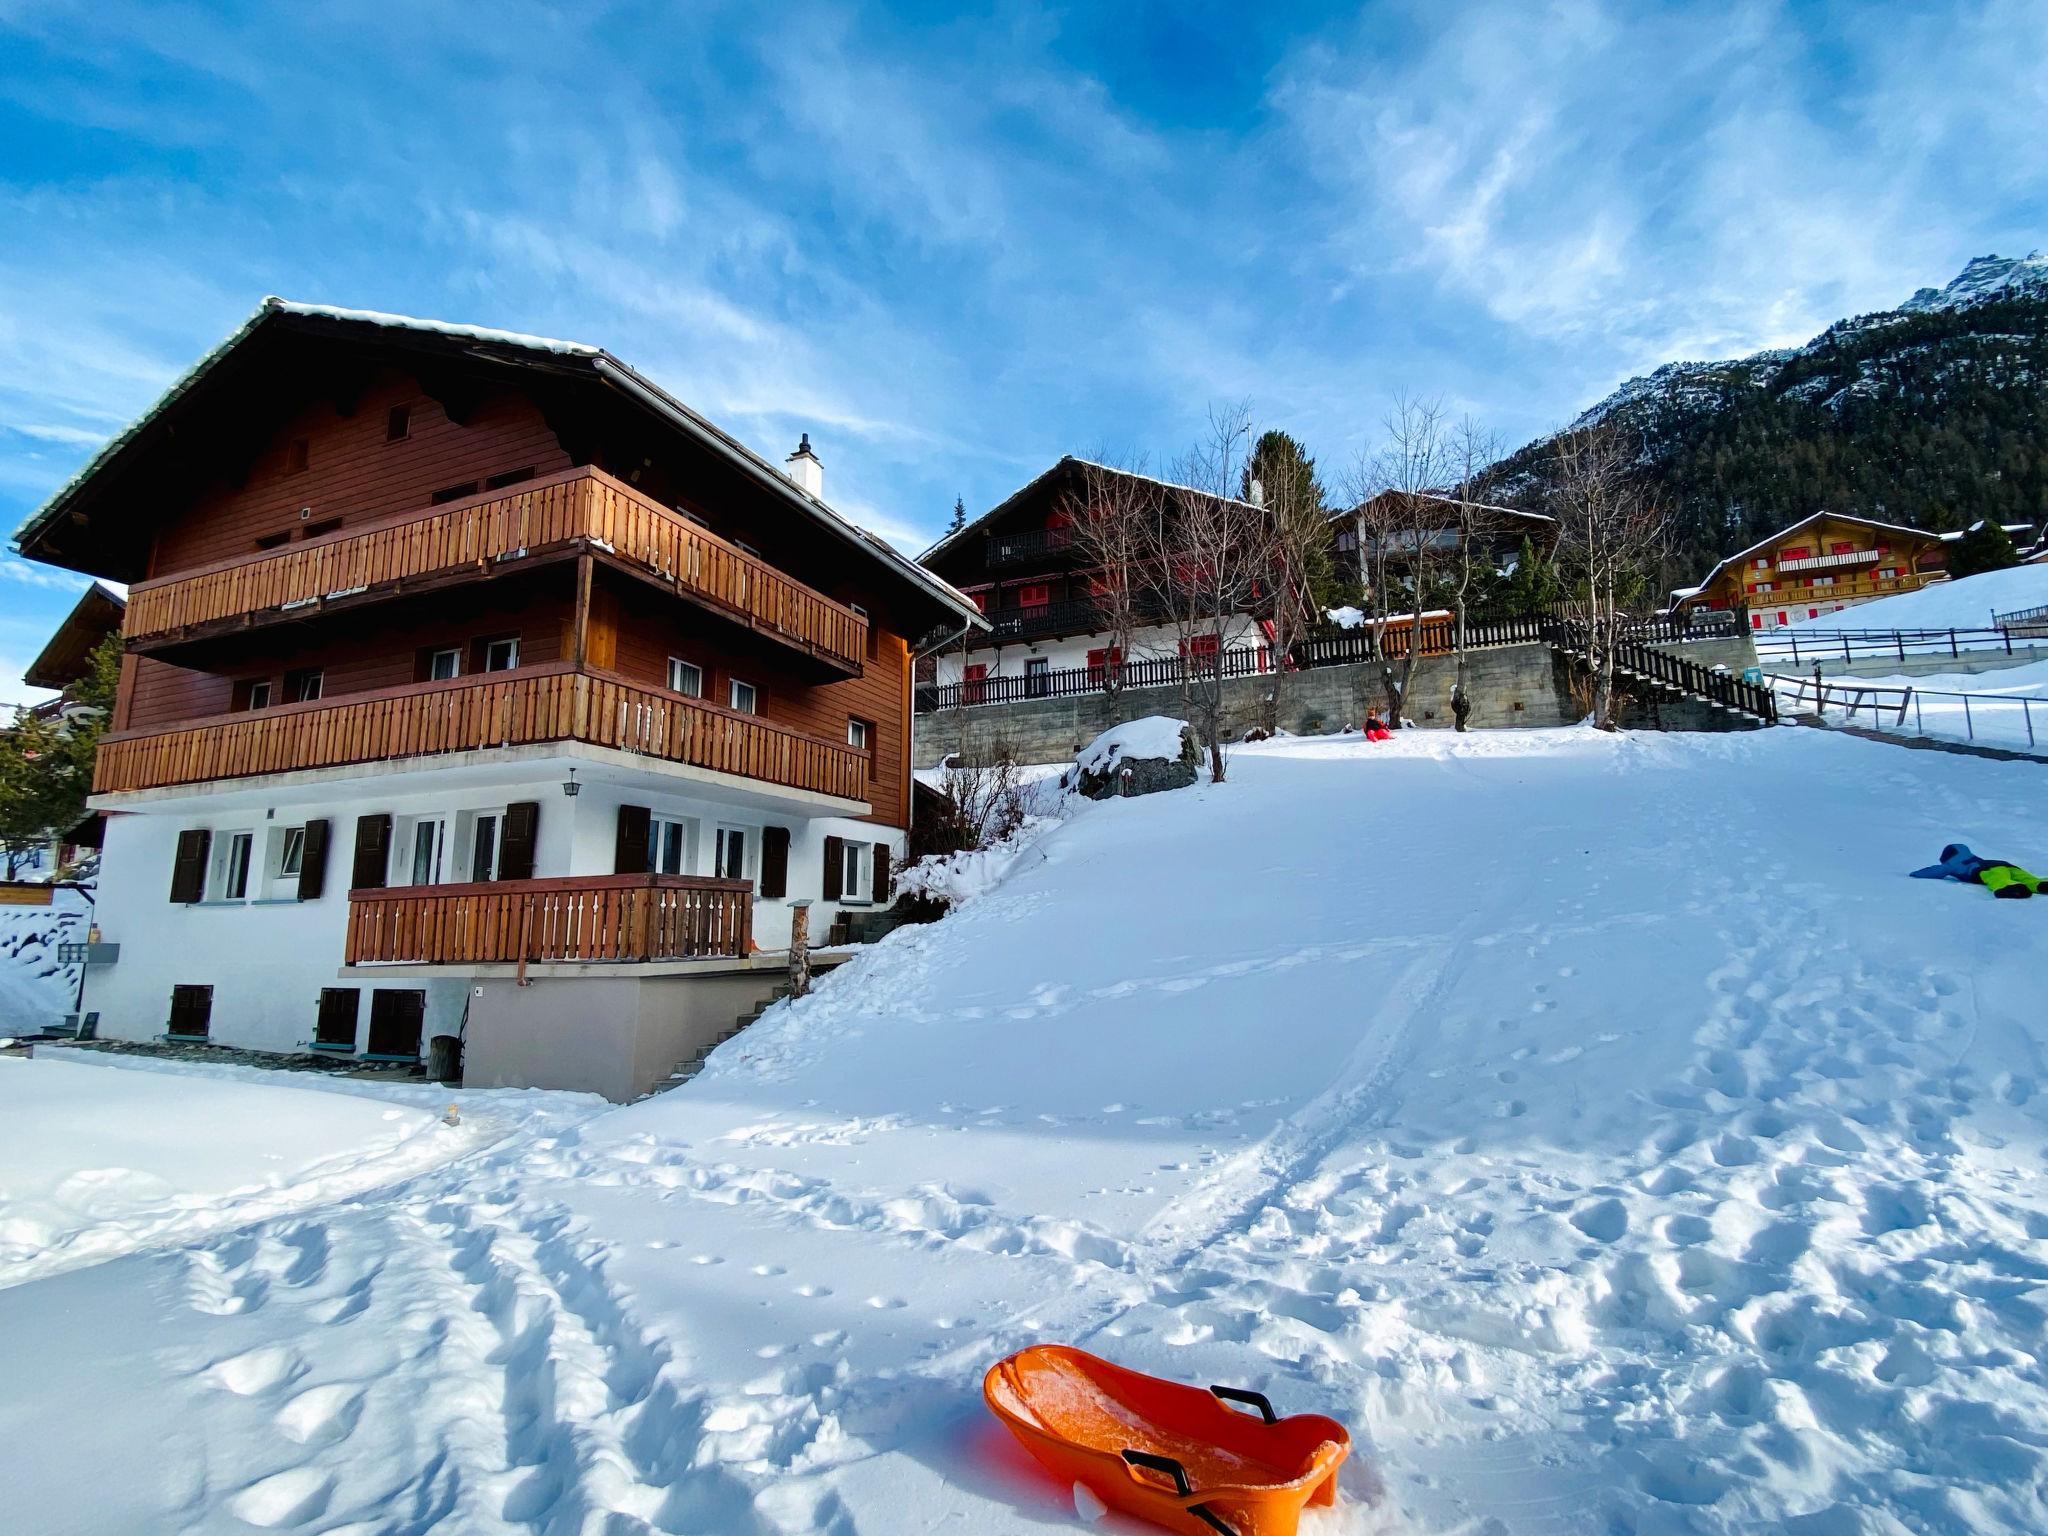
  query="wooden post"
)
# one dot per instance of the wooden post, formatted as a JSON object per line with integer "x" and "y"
{"x": 579, "y": 641}
{"x": 799, "y": 948}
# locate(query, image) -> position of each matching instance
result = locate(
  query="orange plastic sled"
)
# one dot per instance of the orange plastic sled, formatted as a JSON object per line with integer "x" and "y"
{"x": 1175, "y": 1455}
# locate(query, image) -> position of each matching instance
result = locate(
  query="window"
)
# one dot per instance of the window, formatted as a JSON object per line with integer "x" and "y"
{"x": 1036, "y": 595}
{"x": 397, "y": 425}
{"x": 233, "y": 884}
{"x": 509, "y": 477}
{"x": 429, "y": 846}
{"x": 297, "y": 456}
{"x": 1841, "y": 549}
{"x": 1823, "y": 581}
{"x": 1763, "y": 564}
{"x": 668, "y": 845}
{"x": 731, "y": 861}
{"x": 259, "y": 693}
{"x": 1107, "y": 660}
{"x": 274, "y": 540}
{"x": 449, "y": 493}
{"x": 974, "y": 682}
{"x": 501, "y": 655}
{"x": 859, "y": 734}
{"x": 980, "y": 600}
{"x": 685, "y": 677}
{"x": 395, "y": 1020}
{"x": 291, "y": 852}
{"x": 853, "y": 873}
{"x": 1889, "y": 573}
{"x": 1037, "y": 676}
{"x": 742, "y": 697}
{"x": 334, "y": 1027}
{"x": 191, "y": 1012}
{"x": 321, "y": 529}
{"x": 485, "y": 835}
{"x": 304, "y": 685}
{"x": 1800, "y": 553}
{"x": 444, "y": 664}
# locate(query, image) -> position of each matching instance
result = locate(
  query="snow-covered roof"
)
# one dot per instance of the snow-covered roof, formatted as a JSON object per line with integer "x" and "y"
{"x": 599, "y": 361}
{"x": 1457, "y": 501}
{"x": 1785, "y": 533}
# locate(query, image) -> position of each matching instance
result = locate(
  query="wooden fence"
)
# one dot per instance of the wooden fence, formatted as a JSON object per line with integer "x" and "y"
{"x": 535, "y": 704}
{"x": 575, "y": 918}
{"x": 582, "y": 505}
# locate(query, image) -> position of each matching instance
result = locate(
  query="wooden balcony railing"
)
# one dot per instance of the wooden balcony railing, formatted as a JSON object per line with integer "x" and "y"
{"x": 574, "y": 918}
{"x": 579, "y": 505}
{"x": 500, "y": 709}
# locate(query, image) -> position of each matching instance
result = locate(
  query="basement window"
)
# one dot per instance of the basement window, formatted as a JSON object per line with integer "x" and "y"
{"x": 398, "y": 424}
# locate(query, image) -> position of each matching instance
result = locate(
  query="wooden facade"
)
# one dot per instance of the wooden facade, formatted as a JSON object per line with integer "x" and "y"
{"x": 1820, "y": 564}
{"x": 570, "y": 919}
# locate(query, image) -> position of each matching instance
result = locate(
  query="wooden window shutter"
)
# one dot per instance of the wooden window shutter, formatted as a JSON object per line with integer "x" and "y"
{"x": 188, "y": 873}
{"x": 835, "y": 867}
{"x": 313, "y": 860}
{"x": 629, "y": 853}
{"x": 774, "y": 861}
{"x": 373, "y": 851}
{"x": 515, "y": 849}
{"x": 881, "y": 874}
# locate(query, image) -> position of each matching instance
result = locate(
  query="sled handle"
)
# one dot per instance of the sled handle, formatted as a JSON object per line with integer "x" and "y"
{"x": 1251, "y": 1399}
{"x": 1181, "y": 1486}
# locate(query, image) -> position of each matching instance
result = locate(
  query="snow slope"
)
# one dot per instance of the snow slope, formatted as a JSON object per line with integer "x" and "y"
{"x": 1965, "y": 604}
{"x": 35, "y": 991}
{"x": 1468, "y": 1088}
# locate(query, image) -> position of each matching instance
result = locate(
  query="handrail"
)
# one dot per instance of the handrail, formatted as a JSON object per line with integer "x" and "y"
{"x": 554, "y": 702}
{"x": 1853, "y": 697}
{"x": 598, "y": 918}
{"x": 1849, "y": 644}
{"x": 583, "y": 506}
{"x": 1715, "y": 685}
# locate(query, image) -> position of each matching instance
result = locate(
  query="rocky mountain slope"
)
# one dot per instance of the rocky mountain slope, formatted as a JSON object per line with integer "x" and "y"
{"x": 1931, "y": 414}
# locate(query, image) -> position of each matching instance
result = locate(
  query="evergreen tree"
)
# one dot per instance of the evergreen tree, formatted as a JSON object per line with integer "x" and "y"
{"x": 959, "y": 515}
{"x": 1986, "y": 547}
{"x": 46, "y": 764}
{"x": 1533, "y": 588}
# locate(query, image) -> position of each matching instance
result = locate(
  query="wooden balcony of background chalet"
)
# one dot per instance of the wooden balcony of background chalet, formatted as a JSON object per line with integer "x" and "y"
{"x": 578, "y": 508}
{"x": 619, "y": 918}
{"x": 555, "y": 702}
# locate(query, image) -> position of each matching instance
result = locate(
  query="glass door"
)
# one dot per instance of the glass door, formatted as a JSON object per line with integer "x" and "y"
{"x": 429, "y": 848}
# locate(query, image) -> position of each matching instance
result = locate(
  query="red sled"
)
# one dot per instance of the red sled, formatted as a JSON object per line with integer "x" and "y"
{"x": 1176, "y": 1455}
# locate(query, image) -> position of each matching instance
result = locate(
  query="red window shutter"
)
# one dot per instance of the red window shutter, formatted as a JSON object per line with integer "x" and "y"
{"x": 1841, "y": 549}
{"x": 1036, "y": 595}
{"x": 980, "y": 600}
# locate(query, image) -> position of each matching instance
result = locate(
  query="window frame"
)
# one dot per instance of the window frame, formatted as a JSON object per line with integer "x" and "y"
{"x": 856, "y": 873}
{"x": 860, "y": 734}
{"x": 398, "y": 424}
{"x": 410, "y": 850}
{"x": 434, "y": 655}
{"x": 237, "y": 856}
{"x": 511, "y": 645}
{"x": 685, "y": 828}
{"x": 261, "y": 694}
{"x": 677, "y": 666}
{"x": 725, "y": 837}
{"x": 733, "y": 685}
{"x": 305, "y": 685}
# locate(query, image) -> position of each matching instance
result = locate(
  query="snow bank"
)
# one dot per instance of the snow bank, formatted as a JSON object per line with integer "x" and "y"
{"x": 101, "y": 1161}
{"x": 1149, "y": 736}
{"x": 957, "y": 877}
{"x": 1965, "y": 604}
{"x": 35, "y": 991}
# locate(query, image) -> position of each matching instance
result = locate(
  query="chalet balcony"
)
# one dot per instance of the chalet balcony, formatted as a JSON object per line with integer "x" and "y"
{"x": 620, "y": 919}
{"x": 1831, "y": 562}
{"x": 1074, "y": 618}
{"x": 578, "y": 510}
{"x": 556, "y": 703}
{"x": 1033, "y": 544}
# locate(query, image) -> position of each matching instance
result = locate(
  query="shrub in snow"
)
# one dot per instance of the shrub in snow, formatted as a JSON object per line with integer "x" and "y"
{"x": 1139, "y": 757}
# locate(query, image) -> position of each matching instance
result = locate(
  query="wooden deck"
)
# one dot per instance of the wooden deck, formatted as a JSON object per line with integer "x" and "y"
{"x": 577, "y": 508}
{"x": 536, "y": 704}
{"x": 578, "y": 918}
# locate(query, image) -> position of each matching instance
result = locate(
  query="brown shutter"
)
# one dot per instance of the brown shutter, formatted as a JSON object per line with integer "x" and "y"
{"x": 313, "y": 861}
{"x": 373, "y": 851}
{"x": 188, "y": 873}
{"x": 881, "y": 874}
{"x": 629, "y": 853}
{"x": 835, "y": 867}
{"x": 774, "y": 861}
{"x": 515, "y": 848}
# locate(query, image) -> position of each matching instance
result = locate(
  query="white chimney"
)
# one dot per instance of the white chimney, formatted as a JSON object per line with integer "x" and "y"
{"x": 803, "y": 467}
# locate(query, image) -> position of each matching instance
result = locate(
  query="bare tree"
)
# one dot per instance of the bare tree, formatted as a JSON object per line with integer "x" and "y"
{"x": 1401, "y": 534}
{"x": 1206, "y": 555}
{"x": 1470, "y": 451}
{"x": 1110, "y": 517}
{"x": 1609, "y": 538}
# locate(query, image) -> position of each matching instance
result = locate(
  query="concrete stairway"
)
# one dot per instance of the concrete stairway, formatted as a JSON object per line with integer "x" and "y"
{"x": 695, "y": 1064}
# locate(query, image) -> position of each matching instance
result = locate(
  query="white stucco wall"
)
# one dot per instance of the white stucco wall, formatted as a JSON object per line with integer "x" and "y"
{"x": 268, "y": 956}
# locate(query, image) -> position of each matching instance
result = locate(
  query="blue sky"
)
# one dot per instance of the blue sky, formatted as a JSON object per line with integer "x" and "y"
{"x": 954, "y": 246}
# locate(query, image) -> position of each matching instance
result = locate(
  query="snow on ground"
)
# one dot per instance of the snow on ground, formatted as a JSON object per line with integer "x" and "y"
{"x": 35, "y": 991}
{"x": 108, "y": 1154}
{"x": 1965, "y": 604}
{"x": 1603, "y": 1126}
{"x": 2000, "y": 709}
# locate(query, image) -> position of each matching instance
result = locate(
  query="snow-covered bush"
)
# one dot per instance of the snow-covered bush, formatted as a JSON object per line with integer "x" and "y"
{"x": 1138, "y": 757}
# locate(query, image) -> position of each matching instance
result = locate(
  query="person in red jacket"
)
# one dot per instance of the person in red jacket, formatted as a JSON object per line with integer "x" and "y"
{"x": 1376, "y": 728}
